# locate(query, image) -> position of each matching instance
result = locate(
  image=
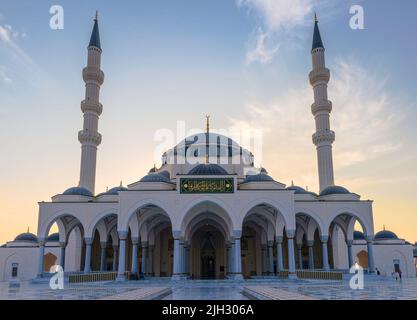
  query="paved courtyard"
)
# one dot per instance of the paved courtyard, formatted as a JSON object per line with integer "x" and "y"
{"x": 375, "y": 289}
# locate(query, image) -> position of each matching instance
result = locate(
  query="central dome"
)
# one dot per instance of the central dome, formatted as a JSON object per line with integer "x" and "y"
{"x": 197, "y": 146}
{"x": 209, "y": 169}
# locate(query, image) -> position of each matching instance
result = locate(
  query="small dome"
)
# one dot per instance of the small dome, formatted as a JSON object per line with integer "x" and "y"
{"x": 260, "y": 177}
{"x": 54, "y": 237}
{"x": 334, "y": 190}
{"x": 210, "y": 169}
{"x": 165, "y": 173}
{"x": 155, "y": 177}
{"x": 385, "y": 235}
{"x": 299, "y": 190}
{"x": 115, "y": 190}
{"x": 28, "y": 237}
{"x": 78, "y": 191}
{"x": 358, "y": 235}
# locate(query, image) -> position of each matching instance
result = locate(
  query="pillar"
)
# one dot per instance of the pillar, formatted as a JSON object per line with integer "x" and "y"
{"x": 280, "y": 263}
{"x": 237, "y": 255}
{"x": 230, "y": 258}
{"x": 264, "y": 258}
{"x": 177, "y": 256}
{"x": 103, "y": 246}
{"x": 135, "y": 242}
{"x": 144, "y": 254}
{"x": 271, "y": 256}
{"x": 151, "y": 260}
{"x": 371, "y": 261}
{"x": 300, "y": 255}
{"x": 62, "y": 255}
{"x": 310, "y": 244}
{"x": 291, "y": 254}
{"x": 351, "y": 261}
{"x": 122, "y": 256}
{"x": 324, "y": 240}
{"x": 115, "y": 256}
{"x": 41, "y": 255}
{"x": 87, "y": 264}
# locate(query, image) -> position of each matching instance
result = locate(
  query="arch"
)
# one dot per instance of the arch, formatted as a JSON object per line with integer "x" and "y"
{"x": 66, "y": 222}
{"x": 280, "y": 220}
{"x": 206, "y": 206}
{"x": 367, "y": 227}
{"x": 89, "y": 232}
{"x": 310, "y": 222}
{"x": 123, "y": 224}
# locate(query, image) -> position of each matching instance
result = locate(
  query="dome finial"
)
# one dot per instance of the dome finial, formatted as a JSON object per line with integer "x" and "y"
{"x": 292, "y": 183}
{"x": 384, "y": 227}
{"x": 306, "y": 188}
{"x": 28, "y": 230}
{"x": 121, "y": 183}
{"x": 107, "y": 188}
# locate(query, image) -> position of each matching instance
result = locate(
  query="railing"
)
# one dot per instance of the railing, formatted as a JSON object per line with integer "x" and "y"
{"x": 95, "y": 277}
{"x": 283, "y": 274}
{"x": 319, "y": 275}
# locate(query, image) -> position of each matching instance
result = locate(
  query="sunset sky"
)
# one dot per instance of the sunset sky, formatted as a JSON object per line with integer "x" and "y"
{"x": 244, "y": 62}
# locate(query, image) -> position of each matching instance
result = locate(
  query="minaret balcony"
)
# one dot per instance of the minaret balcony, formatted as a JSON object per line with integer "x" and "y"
{"x": 89, "y": 106}
{"x": 93, "y": 74}
{"x": 89, "y": 137}
{"x": 319, "y": 76}
{"x": 321, "y": 106}
{"x": 323, "y": 137}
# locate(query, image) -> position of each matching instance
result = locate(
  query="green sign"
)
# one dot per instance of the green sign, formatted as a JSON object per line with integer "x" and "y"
{"x": 206, "y": 185}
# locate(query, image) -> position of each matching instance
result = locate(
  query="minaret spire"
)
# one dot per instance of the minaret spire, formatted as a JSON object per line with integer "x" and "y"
{"x": 323, "y": 138}
{"x": 91, "y": 107}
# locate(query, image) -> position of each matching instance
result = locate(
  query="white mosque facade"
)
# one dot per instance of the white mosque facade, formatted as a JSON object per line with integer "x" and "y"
{"x": 219, "y": 218}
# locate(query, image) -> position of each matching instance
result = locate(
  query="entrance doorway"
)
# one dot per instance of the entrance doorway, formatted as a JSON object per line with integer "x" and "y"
{"x": 208, "y": 267}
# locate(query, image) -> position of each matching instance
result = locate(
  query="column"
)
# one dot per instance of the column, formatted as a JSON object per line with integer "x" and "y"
{"x": 230, "y": 265}
{"x": 115, "y": 256}
{"x": 291, "y": 255}
{"x": 151, "y": 260}
{"x": 122, "y": 256}
{"x": 103, "y": 246}
{"x": 41, "y": 255}
{"x": 280, "y": 264}
{"x": 62, "y": 255}
{"x": 185, "y": 258}
{"x": 144, "y": 254}
{"x": 324, "y": 240}
{"x": 271, "y": 256}
{"x": 371, "y": 261}
{"x": 237, "y": 255}
{"x": 351, "y": 261}
{"x": 263, "y": 253}
{"x": 300, "y": 255}
{"x": 177, "y": 255}
{"x": 310, "y": 244}
{"x": 87, "y": 263}
{"x": 135, "y": 242}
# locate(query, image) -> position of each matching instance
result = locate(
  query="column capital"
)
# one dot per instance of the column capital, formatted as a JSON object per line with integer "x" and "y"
{"x": 264, "y": 246}
{"x": 62, "y": 244}
{"x": 88, "y": 241}
{"x": 122, "y": 234}
{"x": 135, "y": 240}
{"x": 103, "y": 244}
{"x": 279, "y": 239}
{"x": 369, "y": 238}
{"x": 176, "y": 234}
{"x": 115, "y": 247}
{"x": 237, "y": 234}
{"x": 299, "y": 246}
{"x": 144, "y": 243}
{"x": 42, "y": 241}
{"x": 310, "y": 243}
{"x": 349, "y": 242}
{"x": 324, "y": 238}
{"x": 270, "y": 243}
{"x": 290, "y": 233}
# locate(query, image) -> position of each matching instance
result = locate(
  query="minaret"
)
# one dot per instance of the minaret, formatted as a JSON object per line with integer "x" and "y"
{"x": 323, "y": 138}
{"x": 89, "y": 137}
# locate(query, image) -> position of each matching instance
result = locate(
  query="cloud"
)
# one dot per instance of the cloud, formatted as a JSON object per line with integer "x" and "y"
{"x": 4, "y": 78}
{"x": 276, "y": 19}
{"x": 5, "y": 33}
{"x": 278, "y": 15}
{"x": 362, "y": 117}
{"x": 262, "y": 52}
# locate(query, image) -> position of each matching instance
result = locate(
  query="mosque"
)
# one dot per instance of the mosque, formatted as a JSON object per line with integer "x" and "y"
{"x": 215, "y": 217}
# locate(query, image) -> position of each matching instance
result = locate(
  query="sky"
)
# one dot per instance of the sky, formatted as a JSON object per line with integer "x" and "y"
{"x": 244, "y": 62}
